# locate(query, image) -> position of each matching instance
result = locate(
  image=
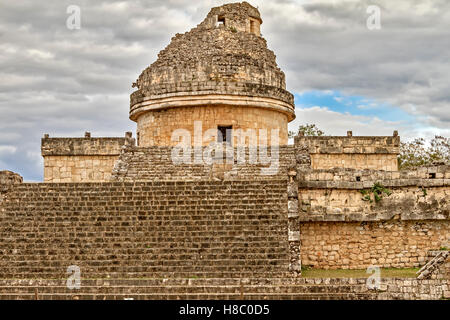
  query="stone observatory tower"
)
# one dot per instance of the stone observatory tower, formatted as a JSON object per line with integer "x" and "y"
{"x": 219, "y": 76}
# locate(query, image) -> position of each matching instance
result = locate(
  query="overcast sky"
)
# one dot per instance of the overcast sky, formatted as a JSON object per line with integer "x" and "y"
{"x": 344, "y": 76}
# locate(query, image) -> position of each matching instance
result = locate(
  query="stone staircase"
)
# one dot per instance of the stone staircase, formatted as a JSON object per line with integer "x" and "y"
{"x": 189, "y": 289}
{"x": 163, "y": 240}
{"x": 437, "y": 265}
{"x": 209, "y": 229}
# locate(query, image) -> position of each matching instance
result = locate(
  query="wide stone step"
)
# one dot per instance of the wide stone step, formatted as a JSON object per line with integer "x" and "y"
{"x": 146, "y": 259}
{"x": 225, "y": 274}
{"x": 207, "y": 296}
{"x": 189, "y": 281}
{"x": 178, "y": 289}
{"x": 206, "y": 263}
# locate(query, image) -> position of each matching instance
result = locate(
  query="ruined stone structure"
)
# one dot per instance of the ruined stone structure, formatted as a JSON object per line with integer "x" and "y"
{"x": 220, "y": 73}
{"x": 7, "y": 180}
{"x": 144, "y": 219}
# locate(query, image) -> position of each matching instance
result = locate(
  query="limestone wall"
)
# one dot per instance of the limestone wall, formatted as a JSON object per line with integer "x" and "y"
{"x": 357, "y": 245}
{"x": 386, "y": 162}
{"x": 155, "y": 128}
{"x": 375, "y": 153}
{"x": 341, "y": 223}
{"x": 348, "y": 195}
{"x": 413, "y": 289}
{"x": 80, "y": 159}
{"x": 94, "y": 168}
{"x": 341, "y": 204}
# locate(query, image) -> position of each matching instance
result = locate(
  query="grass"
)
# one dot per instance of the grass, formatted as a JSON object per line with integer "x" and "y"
{"x": 385, "y": 273}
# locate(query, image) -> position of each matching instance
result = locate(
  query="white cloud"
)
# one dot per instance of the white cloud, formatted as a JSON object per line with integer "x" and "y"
{"x": 39, "y": 54}
{"x": 7, "y": 149}
{"x": 405, "y": 64}
{"x": 336, "y": 123}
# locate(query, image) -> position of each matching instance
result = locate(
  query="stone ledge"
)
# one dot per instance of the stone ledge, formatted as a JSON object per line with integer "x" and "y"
{"x": 359, "y": 177}
{"x": 369, "y": 184}
{"x": 142, "y": 102}
{"x": 361, "y": 217}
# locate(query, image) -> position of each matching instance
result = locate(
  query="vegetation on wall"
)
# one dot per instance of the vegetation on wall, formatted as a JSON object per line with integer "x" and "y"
{"x": 376, "y": 193}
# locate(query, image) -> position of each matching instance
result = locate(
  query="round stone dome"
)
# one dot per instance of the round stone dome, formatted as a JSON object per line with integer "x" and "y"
{"x": 224, "y": 61}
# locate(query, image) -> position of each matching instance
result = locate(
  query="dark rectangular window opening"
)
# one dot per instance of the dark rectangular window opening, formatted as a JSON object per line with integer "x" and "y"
{"x": 221, "y": 21}
{"x": 224, "y": 133}
{"x": 358, "y": 179}
{"x": 432, "y": 175}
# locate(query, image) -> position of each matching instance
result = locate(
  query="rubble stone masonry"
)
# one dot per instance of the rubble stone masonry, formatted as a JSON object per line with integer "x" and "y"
{"x": 357, "y": 245}
{"x": 7, "y": 180}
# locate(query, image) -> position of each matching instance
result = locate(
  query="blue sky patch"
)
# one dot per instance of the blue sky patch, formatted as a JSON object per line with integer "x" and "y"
{"x": 355, "y": 105}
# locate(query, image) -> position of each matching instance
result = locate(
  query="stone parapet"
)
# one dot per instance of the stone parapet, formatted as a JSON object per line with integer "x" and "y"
{"x": 437, "y": 266}
{"x": 81, "y": 146}
{"x": 374, "y": 153}
{"x": 350, "y": 144}
{"x": 81, "y": 159}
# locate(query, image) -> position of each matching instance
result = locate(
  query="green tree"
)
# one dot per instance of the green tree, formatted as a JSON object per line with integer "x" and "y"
{"x": 308, "y": 130}
{"x": 420, "y": 153}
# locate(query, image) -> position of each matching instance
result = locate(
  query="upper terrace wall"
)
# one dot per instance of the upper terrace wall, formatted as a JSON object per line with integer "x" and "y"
{"x": 336, "y": 194}
{"x": 376, "y": 153}
{"x": 80, "y": 159}
{"x": 158, "y": 163}
{"x": 341, "y": 228}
